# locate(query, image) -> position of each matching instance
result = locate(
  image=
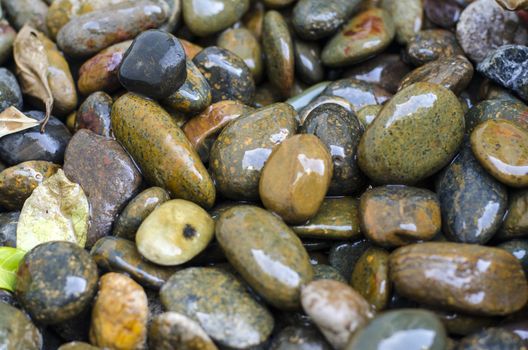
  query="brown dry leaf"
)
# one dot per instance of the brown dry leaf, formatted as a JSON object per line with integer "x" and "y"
{"x": 12, "y": 120}
{"x": 32, "y": 68}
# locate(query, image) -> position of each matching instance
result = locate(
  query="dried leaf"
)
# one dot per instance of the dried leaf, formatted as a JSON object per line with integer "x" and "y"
{"x": 9, "y": 260}
{"x": 12, "y": 121}
{"x": 57, "y": 210}
{"x": 32, "y": 68}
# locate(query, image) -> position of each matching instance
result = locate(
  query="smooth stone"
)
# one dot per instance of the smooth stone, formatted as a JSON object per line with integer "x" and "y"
{"x": 266, "y": 238}
{"x": 18, "y": 182}
{"x": 20, "y": 12}
{"x": 327, "y": 272}
{"x": 323, "y": 100}
{"x": 392, "y": 216}
{"x": 336, "y": 309}
{"x": 245, "y": 45}
{"x": 296, "y": 177}
{"x": 239, "y": 153}
{"x": 460, "y": 324}
{"x": 174, "y": 233}
{"x": 206, "y": 17}
{"x": 119, "y": 314}
{"x": 407, "y": 16}
{"x": 56, "y": 281}
{"x": 7, "y": 37}
{"x": 473, "y": 203}
{"x": 171, "y": 331}
{"x": 278, "y": 48}
{"x": 432, "y": 44}
{"x": 344, "y": 256}
{"x": 154, "y": 65}
{"x": 314, "y": 19}
{"x": 77, "y": 346}
{"x": 492, "y": 339}
{"x": 137, "y": 210}
{"x": 308, "y": 65}
{"x": 505, "y": 66}
{"x": 94, "y": 114}
{"x": 8, "y": 227}
{"x": 161, "y": 150}
{"x": 453, "y": 73}
{"x": 10, "y": 93}
{"x": 484, "y": 26}
{"x": 515, "y": 223}
{"x": 227, "y": 74}
{"x": 113, "y": 254}
{"x": 364, "y": 36}
{"x": 497, "y": 109}
{"x": 386, "y": 70}
{"x": 370, "y": 278}
{"x": 367, "y": 114}
{"x": 443, "y": 13}
{"x": 501, "y": 147}
{"x": 303, "y": 99}
{"x": 107, "y": 175}
{"x": 337, "y": 218}
{"x": 408, "y": 144}
{"x": 519, "y": 249}
{"x": 31, "y": 144}
{"x": 358, "y": 93}
{"x": 299, "y": 338}
{"x": 17, "y": 331}
{"x": 482, "y": 280}
{"x": 174, "y": 16}
{"x": 219, "y": 302}
{"x": 403, "y": 329}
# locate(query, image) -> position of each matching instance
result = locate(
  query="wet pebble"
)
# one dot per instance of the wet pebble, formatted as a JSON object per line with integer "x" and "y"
{"x": 94, "y": 114}
{"x": 519, "y": 249}
{"x": 492, "y": 339}
{"x": 515, "y": 224}
{"x": 327, "y": 272}
{"x": 243, "y": 43}
{"x": 515, "y": 111}
{"x": 206, "y": 17}
{"x": 432, "y": 44}
{"x": 407, "y": 16}
{"x": 443, "y": 13}
{"x": 299, "y": 338}
{"x": 367, "y": 114}
{"x": 344, "y": 256}
{"x": 17, "y": 330}
{"x": 308, "y": 63}
{"x": 358, "y": 93}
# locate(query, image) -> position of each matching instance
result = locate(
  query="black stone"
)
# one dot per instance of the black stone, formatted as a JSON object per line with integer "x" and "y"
{"x": 344, "y": 256}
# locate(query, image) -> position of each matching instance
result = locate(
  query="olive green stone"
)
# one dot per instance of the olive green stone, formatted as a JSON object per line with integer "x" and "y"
{"x": 300, "y": 338}
{"x": 219, "y": 302}
{"x": 344, "y": 256}
{"x": 327, "y": 272}
{"x": 407, "y": 16}
{"x": 17, "y": 331}
{"x": 416, "y": 134}
{"x": 337, "y": 218}
{"x": 358, "y": 93}
{"x": 240, "y": 151}
{"x": 515, "y": 111}
{"x": 515, "y": 224}
{"x": 432, "y": 44}
{"x": 137, "y": 210}
{"x": 367, "y": 114}
{"x": 205, "y": 17}
{"x": 267, "y": 241}
{"x": 323, "y": 100}
{"x": 364, "y": 36}
{"x": 243, "y": 43}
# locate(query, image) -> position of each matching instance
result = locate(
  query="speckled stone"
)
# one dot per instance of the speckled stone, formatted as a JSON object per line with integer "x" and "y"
{"x": 365, "y": 35}
{"x": 501, "y": 147}
{"x": 245, "y": 45}
{"x": 515, "y": 224}
{"x": 18, "y": 182}
{"x": 407, "y": 16}
{"x": 119, "y": 314}
{"x": 94, "y": 114}
{"x": 367, "y": 114}
{"x": 269, "y": 239}
{"x": 32, "y": 145}
{"x": 161, "y": 150}
{"x": 344, "y": 256}
{"x": 482, "y": 280}
{"x": 227, "y": 74}
{"x": 473, "y": 203}
{"x": 497, "y": 109}
{"x": 370, "y": 278}
{"x": 219, "y": 302}
{"x": 443, "y": 13}
{"x": 401, "y": 329}
{"x": 56, "y": 281}
{"x": 393, "y": 216}
{"x": 8, "y": 227}
{"x": 239, "y": 153}
{"x": 299, "y": 338}
{"x": 327, "y": 272}
{"x": 128, "y": 222}
{"x": 10, "y": 93}
{"x": 308, "y": 65}
{"x": 278, "y": 48}
{"x": 432, "y": 44}
{"x": 206, "y": 17}
{"x": 358, "y": 93}
{"x": 418, "y": 141}
{"x": 337, "y": 218}
{"x": 519, "y": 249}
{"x": 17, "y": 331}
{"x": 484, "y": 26}
{"x": 492, "y": 339}
{"x": 107, "y": 175}
{"x": 323, "y": 100}
{"x": 340, "y": 131}
{"x": 314, "y": 19}
{"x": 454, "y": 73}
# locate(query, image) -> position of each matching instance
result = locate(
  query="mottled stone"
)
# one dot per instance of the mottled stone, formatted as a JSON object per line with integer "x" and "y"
{"x": 10, "y": 93}
{"x": 299, "y": 338}
{"x": 443, "y": 13}
{"x": 94, "y": 114}
{"x": 358, "y": 93}
{"x": 519, "y": 249}
{"x": 32, "y": 12}
{"x": 193, "y": 96}
{"x": 344, "y": 256}
{"x": 8, "y": 227}
{"x": 327, "y": 272}
{"x": 432, "y": 44}
{"x": 457, "y": 323}
{"x": 497, "y": 109}
{"x": 515, "y": 224}
{"x": 492, "y": 339}
{"x": 17, "y": 331}
{"x": 323, "y": 100}
{"x": 308, "y": 65}
{"x": 206, "y": 17}
{"x": 245, "y": 45}
{"x": 407, "y": 16}
{"x": 367, "y": 114}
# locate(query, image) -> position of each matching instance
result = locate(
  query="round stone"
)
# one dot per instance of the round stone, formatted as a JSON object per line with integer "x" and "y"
{"x": 94, "y": 114}
{"x": 206, "y": 17}
{"x": 244, "y": 44}
{"x": 432, "y": 44}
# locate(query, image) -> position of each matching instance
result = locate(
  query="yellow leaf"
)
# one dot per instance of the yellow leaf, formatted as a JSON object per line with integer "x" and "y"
{"x": 9, "y": 260}
{"x": 12, "y": 121}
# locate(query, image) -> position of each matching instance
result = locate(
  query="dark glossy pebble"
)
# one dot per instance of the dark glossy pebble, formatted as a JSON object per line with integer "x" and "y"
{"x": 56, "y": 281}
{"x": 462, "y": 324}
{"x": 443, "y": 13}
{"x": 314, "y": 19}
{"x": 113, "y": 254}
{"x": 8, "y": 226}
{"x": 404, "y": 329}
{"x": 492, "y": 339}
{"x": 497, "y": 109}
{"x": 17, "y": 331}
{"x": 507, "y": 67}
{"x": 473, "y": 203}
{"x": 31, "y": 144}
{"x": 432, "y": 44}
{"x": 340, "y": 131}
{"x": 154, "y": 65}
{"x": 515, "y": 224}
{"x": 453, "y": 73}
{"x": 10, "y": 94}
{"x": 321, "y": 100}
{"x": 327, "y": 272}
{"x": 299, "y": 338}
{"x": 519, "y": 249}
{"x": 107, "y": 175}
{"x": 94, "y": 114}
{"x": 385, "y": 70}
{"x": 308, "y": 61}
{"x": 370, "y": 277}
{"x": 76, "y": 328}
{"x": 344, "y": 256}
{"x": 358, "y": 93}
{"x": 227, "y": 74}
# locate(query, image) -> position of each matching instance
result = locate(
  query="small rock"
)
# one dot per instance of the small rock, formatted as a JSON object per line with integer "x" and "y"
{"x": 432, "y": 44}
{"x": 491, "y": 339}
{"x": 10, "y": 93}
{"x": 94, "y": 114}
{"x": 206, "y": 17}
{"x": 17, "y": 330}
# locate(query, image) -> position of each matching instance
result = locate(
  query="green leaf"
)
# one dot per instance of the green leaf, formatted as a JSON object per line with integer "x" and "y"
{"x": 9, "y": 260}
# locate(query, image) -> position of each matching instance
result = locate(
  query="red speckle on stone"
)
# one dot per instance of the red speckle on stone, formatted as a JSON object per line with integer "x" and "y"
{"x": 365, "y": 26}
